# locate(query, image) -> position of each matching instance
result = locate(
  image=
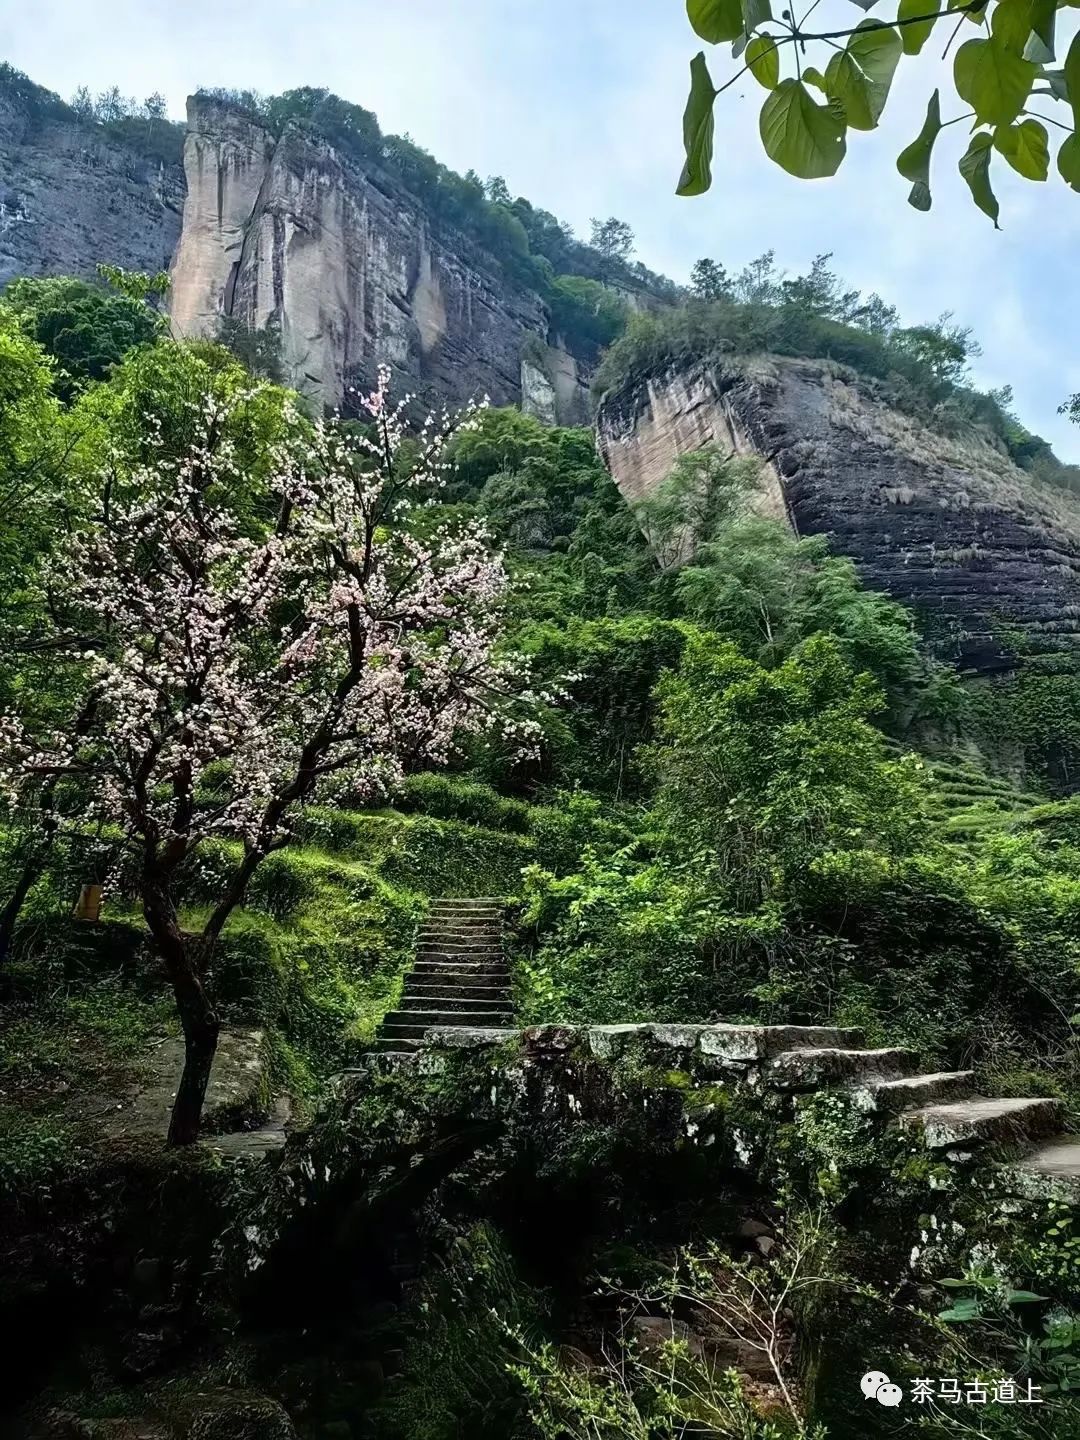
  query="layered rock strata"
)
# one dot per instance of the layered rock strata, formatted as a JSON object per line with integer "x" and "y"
{"x": 980, "y": 549}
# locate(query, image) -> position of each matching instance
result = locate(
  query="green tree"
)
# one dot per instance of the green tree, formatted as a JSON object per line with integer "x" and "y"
{"x": 613, "y": 238}
{"x": 821, "y": 83}
{"x": 31, "y": 450}
{"x": 496, "y": 190}
{"x": 86, "y": 328}
{"x": 704, "y": 489}
{"x": 709, "y": 281}
{"x": 768, "y": 776}
{"x": 758, "y": 585}
{"x": 818, "y": 292}
{"x": 943, "y": 349}
{"x": 82, "y": 102}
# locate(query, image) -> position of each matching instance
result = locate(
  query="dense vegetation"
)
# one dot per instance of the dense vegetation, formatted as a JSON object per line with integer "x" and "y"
{"x": 723, "y": 813}
{"x": 923, "y": 369}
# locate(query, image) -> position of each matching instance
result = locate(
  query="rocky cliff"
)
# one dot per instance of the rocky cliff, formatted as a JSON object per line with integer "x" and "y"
{"x": 72, "y": 194}
{"x": 949, "y": 525}
{"x": 342, "y": 262}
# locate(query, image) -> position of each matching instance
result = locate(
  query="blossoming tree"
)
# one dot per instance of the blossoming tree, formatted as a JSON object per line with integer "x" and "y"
{"x": 329, "y": 650}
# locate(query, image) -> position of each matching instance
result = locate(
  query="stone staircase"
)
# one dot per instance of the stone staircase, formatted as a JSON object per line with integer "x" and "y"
{"x": 460, "y": 978}
{"x": 954, "y": 1119}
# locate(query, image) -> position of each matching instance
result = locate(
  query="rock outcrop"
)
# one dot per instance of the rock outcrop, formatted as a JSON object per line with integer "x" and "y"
{"x": 946, "y": 524}
{"x": 71, "y": 196}
{"x": 342, "y": 262}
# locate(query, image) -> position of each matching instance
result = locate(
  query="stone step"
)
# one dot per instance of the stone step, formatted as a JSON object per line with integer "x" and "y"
{"x": 490, "y": 988}
{"x": 464, "y": 918}
{"x": 430, "y": 1004}
{"x": 466, "y": 934}
{"x": 890, "y": 1096}
{"x": 465, "y": 907}
{"x": 982, "y": 1121}
{"x": 460, "y": 965}
{"x": 400, "y": 1030}
{"x": 433, "y": 999}
{"x": 430, "y": 984}
{"x": 450, "y": 938}
{"x": 468, "y": 956}
{"x": 455, "y": 943}
{"x": 812, "y": 1068}
{"x": 438, "y": 936}
{"x": 400, "y": 1021}
{"x": 1050, "y": 1173}
{"x": 394, "y": 1047}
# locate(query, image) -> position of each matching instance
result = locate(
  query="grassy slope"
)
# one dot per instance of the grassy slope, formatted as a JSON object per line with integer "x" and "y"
{"x": 317, "y": 956}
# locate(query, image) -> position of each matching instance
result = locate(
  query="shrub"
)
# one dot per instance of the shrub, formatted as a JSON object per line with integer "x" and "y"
{"x": 451, "y": 797}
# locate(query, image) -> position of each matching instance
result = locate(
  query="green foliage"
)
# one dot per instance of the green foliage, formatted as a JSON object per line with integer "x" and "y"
{"x": 997, "y": 75}
{"x": 703, "y": 492}
{"x": 753, "y": 581}
{"x": 452, "y": 797}
{"x": 609, "y": 669}
{"x": 87, "y": 329}
{"x": 769, "y": 778}
{"x": 32, "y": 444}
{"x": 34, "y": 1154}
{"x": 585, "y": 313}
{"x": 440, "y": 857}
{"x": 458, "y": 1376}
{"x": 147, "y": 409}
{"x": 259, "y": 351}
{"x": 657, "y": 1379}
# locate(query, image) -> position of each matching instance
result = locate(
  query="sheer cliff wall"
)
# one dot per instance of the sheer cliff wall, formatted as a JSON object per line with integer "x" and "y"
{"x": 948, "y": 525}
{"x": 71, "y": 196}
{"x": 342, "y": 262}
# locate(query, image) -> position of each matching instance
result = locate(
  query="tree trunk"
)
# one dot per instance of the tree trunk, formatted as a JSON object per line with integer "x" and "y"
{"x": 185, "y": 958}
{"x": 9, "y": 915}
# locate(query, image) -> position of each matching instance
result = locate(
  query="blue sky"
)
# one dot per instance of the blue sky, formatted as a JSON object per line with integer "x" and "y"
{"x": 578, "y": 104}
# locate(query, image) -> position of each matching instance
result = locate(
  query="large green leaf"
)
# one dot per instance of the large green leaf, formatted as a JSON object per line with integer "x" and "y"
{"x": 846, "y": 84}
{"x": 1072, "y": 78}
{"x": 914, "y": 162}
{"x": 1026, "y": 148}
{"x": 976, "y": 16}
{"x": 993, "y": 79}
{"x": 1068, "y": 160}
{"x": 860, "y": 76}
{"x": 698, "y": 126}
{"x": 716, "y": 20}
{"x": 975, "y": 168}
{"x": 1010, "y": 23}
{"x": 1055, "y": 79}
{"x": 755, "y": 13}
{"x": 914, "y": 37}
{"x": 1040, "y": 44}
{"x": 804, "y": 138}
{"x": 763, "y": 57}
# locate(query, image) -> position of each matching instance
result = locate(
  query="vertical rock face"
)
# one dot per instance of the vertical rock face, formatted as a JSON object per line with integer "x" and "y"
{"x": 70, "y": 197}
{"x": 948, "y": 525}
{"x": 342, "y": 262}
{"x": 226, "y": 158}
